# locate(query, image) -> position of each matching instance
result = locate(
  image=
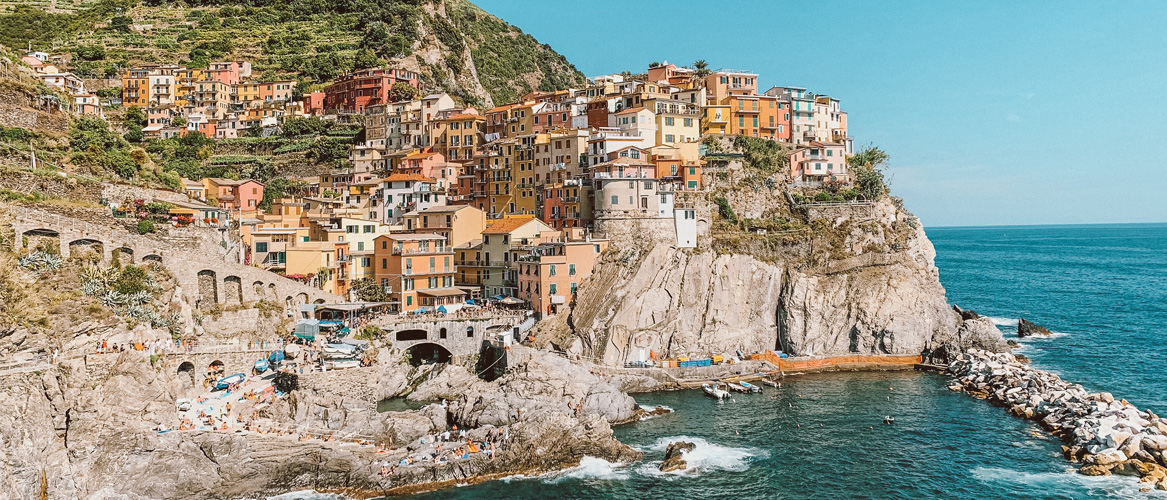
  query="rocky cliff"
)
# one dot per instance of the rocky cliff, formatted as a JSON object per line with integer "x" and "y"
{"x": 84, "y": 429}
{"x": 802, "y": 278}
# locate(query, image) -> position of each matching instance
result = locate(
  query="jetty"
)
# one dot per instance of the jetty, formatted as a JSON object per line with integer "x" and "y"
{"x": 1107, "y": 436}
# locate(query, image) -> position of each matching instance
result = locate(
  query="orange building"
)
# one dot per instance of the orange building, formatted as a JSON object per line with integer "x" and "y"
{"x": 417, "y": 270}
{"x": 549, "y": 276}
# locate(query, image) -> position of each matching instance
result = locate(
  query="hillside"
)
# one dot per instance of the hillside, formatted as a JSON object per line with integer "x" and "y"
{"x": 455, "y": 45}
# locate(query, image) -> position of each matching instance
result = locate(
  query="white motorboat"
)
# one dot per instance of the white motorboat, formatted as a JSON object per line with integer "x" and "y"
{"x": 733, "y": 386}
{"x": 713, "y": 391}
{"x": 750, "y": 387}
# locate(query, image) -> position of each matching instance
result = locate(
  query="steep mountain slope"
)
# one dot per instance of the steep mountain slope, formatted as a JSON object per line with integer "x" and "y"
{"x": 455, "y": 45}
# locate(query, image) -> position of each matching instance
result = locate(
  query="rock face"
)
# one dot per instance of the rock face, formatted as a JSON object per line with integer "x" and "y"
{"x": 874, "y": 291}
{"x": 674, "y": 456}
{"x": 86, "y": 426}
{"x": 1108, "y": 436}
{"x": 1027, "y": 328}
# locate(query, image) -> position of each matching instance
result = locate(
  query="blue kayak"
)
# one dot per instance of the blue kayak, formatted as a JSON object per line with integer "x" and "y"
{"x": 261, "y": 366}
{"x": 226, "y": 382}
{"x": 276, "y": 357}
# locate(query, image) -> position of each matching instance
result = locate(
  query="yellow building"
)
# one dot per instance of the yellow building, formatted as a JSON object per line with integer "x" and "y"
{"x": 715, "y": 119}
{"x": 499, "y": 160}
{"x": 523, "y": 185}
{"x": 327, "y": 261}
{"x": 245, "y": 93}
{"x": 459, "y": 224}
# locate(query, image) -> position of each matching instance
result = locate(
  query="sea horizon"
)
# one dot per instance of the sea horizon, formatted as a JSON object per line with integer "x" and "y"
{"x": 1052, "y": 225}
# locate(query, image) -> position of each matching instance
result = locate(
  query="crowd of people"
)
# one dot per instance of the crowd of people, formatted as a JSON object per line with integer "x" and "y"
{"x": 448, "y": 446}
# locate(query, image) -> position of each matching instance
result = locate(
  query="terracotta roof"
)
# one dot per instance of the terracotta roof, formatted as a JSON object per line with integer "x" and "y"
{"x": 504, "y": 107}
{"x": 508, "y": 225}
{"x": 631, "y": 110}
{"x": 419, "y": 154}
{"x": 466, "y": 116}
{"x": 409, "y": 177}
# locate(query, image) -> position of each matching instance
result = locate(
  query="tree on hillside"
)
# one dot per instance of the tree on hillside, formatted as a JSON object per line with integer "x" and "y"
{"x": 366, "y": 59}
{"x": 121, "y": 23}
{"x": 867, "y": 171}
{"x": 402, "y": 91}
{"x": 135, "y": 116}
{"x": 367, "y": 290}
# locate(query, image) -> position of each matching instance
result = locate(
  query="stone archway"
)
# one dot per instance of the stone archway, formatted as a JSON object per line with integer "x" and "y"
{"x": 43, "y": 239}
{"x": 87, "y": 249}
{"x": 318, "y": 301}
{"x": 152, "y": 258}
{"x": 407, "y": 335}
{"x": 124, "y": 254}
{"x": 208, "y": 288}
{"x": 257, "y": 288}
{"x": 428, "y": 353}
{"x": 301, "y": 298}
{"x": 186, "y": 366}
{"x": 232, "y": 290}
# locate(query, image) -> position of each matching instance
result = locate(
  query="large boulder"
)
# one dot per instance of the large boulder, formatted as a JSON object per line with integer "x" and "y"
{"x": 1026, "y": 328}
{"x": 674, "y": 456}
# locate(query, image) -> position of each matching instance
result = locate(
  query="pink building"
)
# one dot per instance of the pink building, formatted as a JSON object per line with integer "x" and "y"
{"x": 234, "y": 194}
{"x": 818, "y": 161}
{"x": 314, "y": 103}
{"x": 230, "y": 73}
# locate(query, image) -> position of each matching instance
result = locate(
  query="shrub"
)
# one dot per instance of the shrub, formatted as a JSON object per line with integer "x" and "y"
{"x": 286, "y": 382}
{"x": 146, "y": 226}
{"x": 725, "y": 211}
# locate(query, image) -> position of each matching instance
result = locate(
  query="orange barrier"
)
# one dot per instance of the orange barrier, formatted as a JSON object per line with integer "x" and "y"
{"x": 795, "y": 364}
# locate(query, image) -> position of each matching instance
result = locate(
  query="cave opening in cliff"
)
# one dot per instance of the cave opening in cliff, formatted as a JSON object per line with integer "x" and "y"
{"x": 428, "y": 354}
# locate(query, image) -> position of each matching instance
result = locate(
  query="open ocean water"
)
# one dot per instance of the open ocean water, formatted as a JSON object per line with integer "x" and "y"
{"x": 1103, "y": 289}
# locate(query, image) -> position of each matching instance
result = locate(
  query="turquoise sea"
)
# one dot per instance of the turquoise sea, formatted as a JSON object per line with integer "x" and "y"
{"x": 1103, "y": 289}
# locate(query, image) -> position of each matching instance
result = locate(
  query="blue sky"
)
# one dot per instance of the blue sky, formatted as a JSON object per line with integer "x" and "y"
{"x": 993, "y": 112}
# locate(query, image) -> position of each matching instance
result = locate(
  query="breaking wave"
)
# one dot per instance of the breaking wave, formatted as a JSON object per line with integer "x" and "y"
{"x": 1010, "y": 322}
{"x": 704, "y": 458}
{"x": 1067, "y": 484}
{"x": 591, "y": 468}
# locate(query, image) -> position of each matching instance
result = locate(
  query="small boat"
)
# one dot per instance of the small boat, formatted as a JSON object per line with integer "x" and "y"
{"x": 733, "y": 386}
{"x": 750, "y": 387}
{"x": 261, "y": 366}
{"x": 276, "y": 357}
{"x": 889, "y": 420}
{"x": 226, "y": 382}
{"x": 713, "y": 391}
{"x": 770, "y": 383}
{"x": 335, "y": 365}
{"x": 183, "y": 404}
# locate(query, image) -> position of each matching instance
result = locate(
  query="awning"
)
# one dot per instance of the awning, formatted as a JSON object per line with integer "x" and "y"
{"x": 442, "y": 292}
{"x": 511, "y": 301}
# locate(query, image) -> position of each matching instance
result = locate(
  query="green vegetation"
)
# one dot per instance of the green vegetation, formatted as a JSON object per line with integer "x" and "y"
{"x": 367, "y": 290}
{"x": 762, "y": 154}
{"x": 146, "y": 226}
{"x": 867, "y": 168}
{"x": 724, "y": 210}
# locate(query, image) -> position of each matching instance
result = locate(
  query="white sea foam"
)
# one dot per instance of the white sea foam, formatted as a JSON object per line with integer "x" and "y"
{"x": 591, "y": 468}
{"x": 1065, "y": 484}
{"x": 705, "y": 457}
{"x": 649, "y": 408}
{"x": 1011, "y": 322}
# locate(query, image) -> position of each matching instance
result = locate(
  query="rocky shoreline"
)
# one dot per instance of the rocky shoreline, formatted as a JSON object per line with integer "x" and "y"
{"x": 1106, "y": 436}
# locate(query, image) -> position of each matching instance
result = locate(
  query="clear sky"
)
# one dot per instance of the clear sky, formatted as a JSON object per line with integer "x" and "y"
{"x": 993, "y": 112}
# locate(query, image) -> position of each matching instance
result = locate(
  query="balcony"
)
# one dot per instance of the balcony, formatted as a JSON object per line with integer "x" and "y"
{"x": 571, "y": 199}
{"x": 625, "y": 175}
{"x": 418, "y": 251}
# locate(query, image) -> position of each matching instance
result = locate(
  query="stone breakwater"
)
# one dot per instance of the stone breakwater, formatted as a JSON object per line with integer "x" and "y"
{"x": 1107, "y": 436}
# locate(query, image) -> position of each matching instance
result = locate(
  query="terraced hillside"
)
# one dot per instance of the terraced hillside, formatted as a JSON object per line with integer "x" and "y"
{"x": 455, "y": 45}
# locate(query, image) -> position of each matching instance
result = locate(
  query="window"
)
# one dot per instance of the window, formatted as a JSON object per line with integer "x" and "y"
{"x": 741, "y": 121}
{"x": 669, "y": 120}
{"x": 688, "y": 122}
{"x": 692, "y": 170}
{"x": 447, "y": 263}
{"x": 670, "y": 138}
{"x": 366, "y": 261}
{"x": 551, "y": 288}
{"x": 409, "y": 300}
{"x": 408, "y": 266}
{"x": 551, "y": 270}
{"x": 574, "y": 286}
{"x": 432, "y": 259}
{"x": 360, "y": 246}
{"x": 350, "y": 229}
{"x": 384, "y": 263}
{"x": 261, "y": 247}
{"x": 755, "y": 120}
{"x": 384, "y": 282}
{"x": 615, "y": 200}
{"x": 384, "y": 244}
{"x": 830, "y": 153}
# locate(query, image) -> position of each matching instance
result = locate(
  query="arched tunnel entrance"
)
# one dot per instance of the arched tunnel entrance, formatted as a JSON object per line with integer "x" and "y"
{"x": 427, "y": 354}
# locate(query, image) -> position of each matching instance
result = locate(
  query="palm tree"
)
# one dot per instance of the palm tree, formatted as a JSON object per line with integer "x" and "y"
{"x": 702, "y": 68}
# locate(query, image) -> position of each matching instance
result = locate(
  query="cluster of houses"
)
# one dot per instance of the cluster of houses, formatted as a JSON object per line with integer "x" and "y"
{"x": 445, "y": 203}
{"x": 47, "y": 71}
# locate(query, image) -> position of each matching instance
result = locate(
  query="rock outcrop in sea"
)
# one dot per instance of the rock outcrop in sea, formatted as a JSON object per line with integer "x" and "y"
{"x": 1026, "y": 328}
{"x": 1107, "y": 436}
{"x": 675, "y": 456}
